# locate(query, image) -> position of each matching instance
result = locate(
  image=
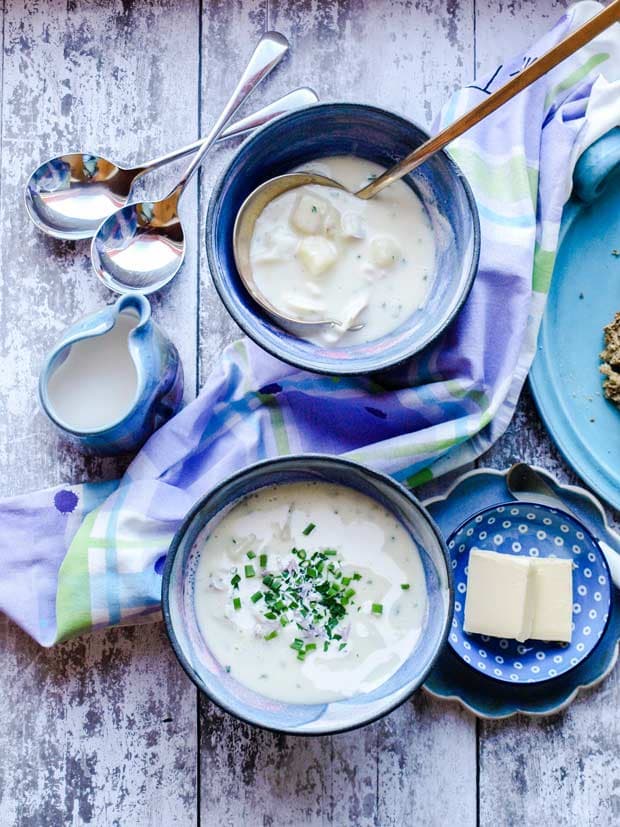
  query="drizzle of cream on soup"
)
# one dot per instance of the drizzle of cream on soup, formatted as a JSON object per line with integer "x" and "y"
{"x": 309, "y": 592}
{"x": 321, "y": 253}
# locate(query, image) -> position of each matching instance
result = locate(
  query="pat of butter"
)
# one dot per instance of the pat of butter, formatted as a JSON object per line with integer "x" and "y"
{"x": 519, "y": 597}
{"x": 498, "y": 600}
{"x": 553, "y": 599}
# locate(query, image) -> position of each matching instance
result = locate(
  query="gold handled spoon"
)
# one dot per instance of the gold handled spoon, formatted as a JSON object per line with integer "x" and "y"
{"x": 256, "y": 202}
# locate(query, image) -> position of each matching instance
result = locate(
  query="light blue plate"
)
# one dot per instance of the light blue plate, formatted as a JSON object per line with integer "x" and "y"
{"x": 451, "y": 678}
{"x": 584, "y": 296}
{"x": 529, "y": 530}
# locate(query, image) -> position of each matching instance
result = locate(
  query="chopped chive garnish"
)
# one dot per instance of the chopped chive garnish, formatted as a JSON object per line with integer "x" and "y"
{"x": 341, "y": 647}
{"x": 235, "y": 580}
{"x": 271, "y": 635}
{"x": 237, "y": 603}
{"x": 312, "y": 594}
{"x": 377, "y": 608}
{"x": 227, "y": 668}
{"x": 404, "y": 586}
{"x": 308, "y": 529}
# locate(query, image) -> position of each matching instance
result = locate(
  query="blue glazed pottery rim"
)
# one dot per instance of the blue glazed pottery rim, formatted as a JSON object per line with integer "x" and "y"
{"x": 601, "y": 559}
{"x": 568, "y": 415}
{"x": 109, "y": 316}
{"x": 283, "y": 461}
{"x": 482, "y": 696}
{"x": 244, "y": 318}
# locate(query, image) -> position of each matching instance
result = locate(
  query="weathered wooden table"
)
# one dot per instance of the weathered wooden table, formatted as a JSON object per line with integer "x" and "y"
{"x": 106, "y": 729}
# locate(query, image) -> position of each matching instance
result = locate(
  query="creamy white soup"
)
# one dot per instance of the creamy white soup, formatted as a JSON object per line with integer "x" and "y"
{"x": 321, "y": 253}
{"x": 309, "y": 592}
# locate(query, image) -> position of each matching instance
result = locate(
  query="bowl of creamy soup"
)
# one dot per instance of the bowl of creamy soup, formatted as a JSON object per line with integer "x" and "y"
{"x": 392, "y": 272}
{"x": 307, "y": 594}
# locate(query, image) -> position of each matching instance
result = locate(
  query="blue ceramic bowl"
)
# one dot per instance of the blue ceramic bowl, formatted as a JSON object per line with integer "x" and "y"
{"x": 531, "y": 530}
{"x": 304, "y": 719}
{"x": 377, "y": 135}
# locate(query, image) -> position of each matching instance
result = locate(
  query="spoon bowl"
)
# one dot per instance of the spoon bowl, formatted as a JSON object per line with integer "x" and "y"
{"x": 70, "y": 195}
{"x": 140, "y": 247}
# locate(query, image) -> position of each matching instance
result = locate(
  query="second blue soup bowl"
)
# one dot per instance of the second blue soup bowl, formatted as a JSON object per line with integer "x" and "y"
{"x": 376, "y": 135}
{"x": 212, "y": 678}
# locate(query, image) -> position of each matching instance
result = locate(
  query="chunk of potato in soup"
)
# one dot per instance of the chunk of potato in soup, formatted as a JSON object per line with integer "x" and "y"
{"x": 321, "y": 253}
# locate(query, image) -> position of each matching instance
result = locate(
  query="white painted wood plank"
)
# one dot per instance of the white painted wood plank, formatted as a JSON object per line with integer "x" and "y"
{"x": 229, "y": 33}
{"x": 408, "y": 57}
{"x": 416, "y": 766}
{"x": 419, "y": 764}
{"x": 503, "y": 29}
{"x": 101, "y": 730}
{"x": 561, "y": 770}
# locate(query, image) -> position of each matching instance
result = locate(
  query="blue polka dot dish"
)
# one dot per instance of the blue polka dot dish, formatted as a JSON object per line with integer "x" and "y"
{"x": 527, "y": 529}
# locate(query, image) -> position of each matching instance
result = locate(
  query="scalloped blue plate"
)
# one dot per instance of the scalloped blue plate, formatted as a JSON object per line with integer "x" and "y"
{"x": 453, "y": 679}
{"x": 530, "y": 530}
{"x": 584, "y": 296}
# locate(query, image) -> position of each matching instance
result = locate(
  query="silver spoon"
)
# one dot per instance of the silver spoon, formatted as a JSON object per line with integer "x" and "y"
{"x": 256, "y": 202}
{"x": 141, "y": 246}
{"x": 528, "y": 485}
{"x": 70, "y": 195}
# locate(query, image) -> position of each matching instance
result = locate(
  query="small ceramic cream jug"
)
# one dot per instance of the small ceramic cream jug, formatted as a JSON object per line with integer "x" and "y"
{"x": 113, "y": 378}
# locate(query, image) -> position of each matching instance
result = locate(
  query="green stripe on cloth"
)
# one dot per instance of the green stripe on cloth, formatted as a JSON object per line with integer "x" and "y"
{"x": 575, "y": 76}
{"x": 276, "y": 417}
{"x": 73, "y": 607}
{"x": 543, "y": 269}
{"x": 507, "y": 180}
{"x": 405, "y": 451}
{"x": 423, "y": 476}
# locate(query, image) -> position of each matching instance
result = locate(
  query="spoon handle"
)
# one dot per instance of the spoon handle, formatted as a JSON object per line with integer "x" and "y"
{"x": 297, "y": 99}
{"x": 540, "y": 67}
{"x": 268, "y": 53}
